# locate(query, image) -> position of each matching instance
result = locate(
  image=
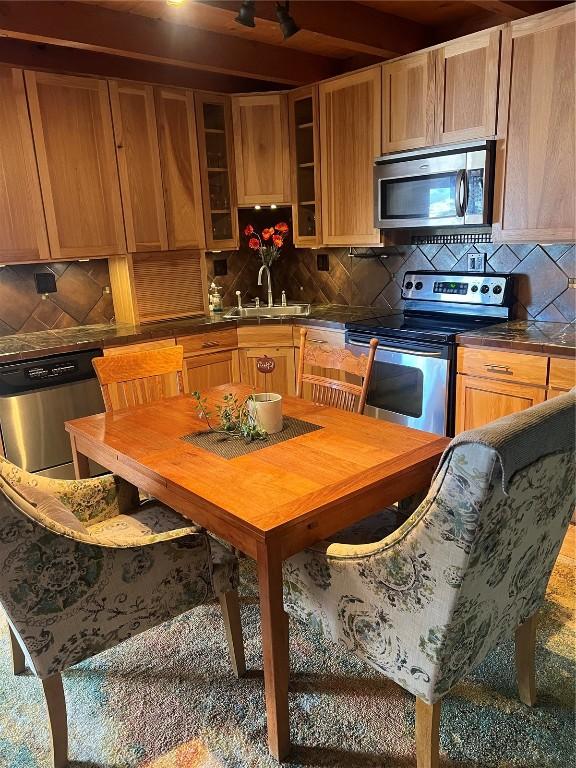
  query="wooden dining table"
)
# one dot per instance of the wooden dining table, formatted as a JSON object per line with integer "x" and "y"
{"x": 270, "y": 503}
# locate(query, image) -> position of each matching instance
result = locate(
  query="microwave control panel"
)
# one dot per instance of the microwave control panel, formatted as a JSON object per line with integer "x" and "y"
{"x": 463, "y": 288}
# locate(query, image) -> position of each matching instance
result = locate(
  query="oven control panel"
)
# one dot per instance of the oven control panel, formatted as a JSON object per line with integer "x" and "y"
{"x": 459, "y": 287}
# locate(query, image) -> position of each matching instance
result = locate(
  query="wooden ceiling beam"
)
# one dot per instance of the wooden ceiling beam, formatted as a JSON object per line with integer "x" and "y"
{"x": 92, "y": 28}
{"x": 350, "y": 25}
{"x": 52, "y": 58}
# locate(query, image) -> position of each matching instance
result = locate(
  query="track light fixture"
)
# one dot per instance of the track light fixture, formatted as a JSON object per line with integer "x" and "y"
{"x": 287, "y": 23}
{"x": 246, "y": 14}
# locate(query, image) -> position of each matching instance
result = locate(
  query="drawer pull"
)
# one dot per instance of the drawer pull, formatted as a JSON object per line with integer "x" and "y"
{"x": 207, "y": 344}
{"x": 499, "y": 369}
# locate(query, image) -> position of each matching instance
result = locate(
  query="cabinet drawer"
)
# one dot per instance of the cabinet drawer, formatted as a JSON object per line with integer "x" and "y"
{"x": 227, "y": 338}
{"x": 562, "y": 372}
{"x": 265, "y": 336}
{"x": 142, "y": 346}
{"x": 320, "y": 336}
{"x": 505, "y": 366}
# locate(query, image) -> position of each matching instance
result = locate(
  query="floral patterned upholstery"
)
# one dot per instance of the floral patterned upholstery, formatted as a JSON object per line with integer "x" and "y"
{"x": 69, "y": 595}
{"x": 428, "y": 602}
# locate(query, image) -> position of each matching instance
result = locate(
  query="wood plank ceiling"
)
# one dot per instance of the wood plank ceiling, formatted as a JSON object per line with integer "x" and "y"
{"x": 199, "y": 44}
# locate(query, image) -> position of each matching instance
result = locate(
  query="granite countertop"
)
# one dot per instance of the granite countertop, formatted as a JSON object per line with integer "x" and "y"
{"x": 525, "y": 336}
{"x": 25, "y": 346}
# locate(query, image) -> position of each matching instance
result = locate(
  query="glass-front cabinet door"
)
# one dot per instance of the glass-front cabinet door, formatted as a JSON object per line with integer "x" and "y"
{"x": 305, "y": 158}
{"x": 214, "y": 124}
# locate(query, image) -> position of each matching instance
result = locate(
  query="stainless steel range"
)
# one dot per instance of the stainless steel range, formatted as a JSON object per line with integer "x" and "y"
{"x": 414, "y": 376}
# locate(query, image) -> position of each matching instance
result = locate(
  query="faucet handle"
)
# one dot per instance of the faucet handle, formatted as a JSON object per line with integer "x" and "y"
{"x": 257, "y": 302}
{"x": 239, "y": 298}
{"x": 283, "y": 298}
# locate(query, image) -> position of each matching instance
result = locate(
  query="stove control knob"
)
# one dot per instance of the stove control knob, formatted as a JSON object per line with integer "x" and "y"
{"x": 485, "y": 289}
{"x": 474, "y": 289}
{"x": 418, "y": 285}
{"x": 409, "y": 285}
{"x": 497, "y": 289}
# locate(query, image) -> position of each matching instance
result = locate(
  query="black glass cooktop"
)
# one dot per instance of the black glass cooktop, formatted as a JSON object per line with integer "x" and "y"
{"x": 419, "y": 327}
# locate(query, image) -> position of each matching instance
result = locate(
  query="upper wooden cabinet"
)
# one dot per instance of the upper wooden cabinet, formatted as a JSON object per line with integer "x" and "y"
{"x": 180, "y": 171}
{"x": 408, "y": 102}
{"x": 350, "y": 140}
{"x": 214, "y": 122}
{"x": 134, "y": 118}
{"x": 467, "y": 88}
{"x": 305, "y": 159}
{"x": 536, "y": 194}
{"x": 261, "y": 149}
{"x": 22, "y": 226}
{"x": 74, "y": 141}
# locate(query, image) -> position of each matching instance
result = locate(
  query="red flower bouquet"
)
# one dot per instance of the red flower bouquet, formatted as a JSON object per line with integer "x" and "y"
{"x": 268, "y": 242}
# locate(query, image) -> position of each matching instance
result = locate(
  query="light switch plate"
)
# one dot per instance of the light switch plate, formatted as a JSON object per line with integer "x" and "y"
{"x": 476, "y": 262}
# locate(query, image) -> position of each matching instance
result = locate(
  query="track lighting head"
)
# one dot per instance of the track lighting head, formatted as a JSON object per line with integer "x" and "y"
{"x": 246, "y": 14}
{"x": 287, "y": 23}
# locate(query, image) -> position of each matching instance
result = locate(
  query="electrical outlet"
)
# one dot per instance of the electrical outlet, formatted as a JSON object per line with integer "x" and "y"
{"x": 322, "y": 262}
{"x": 220, "y": 267}
{"x": 476, "y": 262}
{"x": 45, "y": 282}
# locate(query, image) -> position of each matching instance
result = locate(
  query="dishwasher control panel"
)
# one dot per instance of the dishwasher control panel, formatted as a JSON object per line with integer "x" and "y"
{"x": 51, "y": 371}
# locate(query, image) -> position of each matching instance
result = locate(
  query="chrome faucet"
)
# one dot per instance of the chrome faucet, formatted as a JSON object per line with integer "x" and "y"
{"x": 262, "y": 268}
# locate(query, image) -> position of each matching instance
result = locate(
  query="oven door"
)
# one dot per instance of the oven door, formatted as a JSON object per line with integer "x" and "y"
{"x": 410, "y": 384}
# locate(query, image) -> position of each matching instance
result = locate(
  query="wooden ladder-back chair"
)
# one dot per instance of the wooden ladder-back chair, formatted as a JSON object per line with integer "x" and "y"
{"x": 326, "y": 391}
{"x": 139, "y": 377}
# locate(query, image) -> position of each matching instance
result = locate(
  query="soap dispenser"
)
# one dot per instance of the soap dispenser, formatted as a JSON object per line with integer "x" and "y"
{"x": 216, "y": 298}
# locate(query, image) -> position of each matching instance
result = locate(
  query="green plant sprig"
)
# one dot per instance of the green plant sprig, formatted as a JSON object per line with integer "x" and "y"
{"x": 234, "y": 417}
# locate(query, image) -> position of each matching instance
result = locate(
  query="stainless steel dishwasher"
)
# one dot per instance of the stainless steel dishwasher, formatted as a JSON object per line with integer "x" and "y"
{"x": 36, "y": 398}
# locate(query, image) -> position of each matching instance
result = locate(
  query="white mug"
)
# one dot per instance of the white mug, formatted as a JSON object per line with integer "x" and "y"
{"x": 266, "y": 407}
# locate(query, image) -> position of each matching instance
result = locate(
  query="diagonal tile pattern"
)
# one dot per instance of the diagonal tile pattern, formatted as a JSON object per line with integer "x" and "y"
{"x": 80, "y": 298}
{"x": 373, "y": 277}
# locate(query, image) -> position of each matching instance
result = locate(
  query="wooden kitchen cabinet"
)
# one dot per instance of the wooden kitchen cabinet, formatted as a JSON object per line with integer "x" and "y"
{"x": 74, "y": 141}
{"x": 535, "y": 195}
{"x": 305, "y": 160}
{"x": 180, "y": 169}
{"x": 136, "y": 137}
{"x": 23, "y": 234}
{"x": 261, "y": 149}
{"x": 350, "y": 140}
{"x": 204, "y": 371}
{"x": 480, "y": 401}
{"x": 282, "y": 380}
{"x": 562, "y": 375}
{"x": 214, "y": 122}
{"x": 408, "y": 102}
{"x": 467, "y": 87}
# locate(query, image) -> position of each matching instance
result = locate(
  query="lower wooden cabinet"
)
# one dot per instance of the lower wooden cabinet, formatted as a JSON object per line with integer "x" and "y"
{"x": 480, "y": 401}
{"x": 204, "y": 371}
{"x": 283, "y": 379}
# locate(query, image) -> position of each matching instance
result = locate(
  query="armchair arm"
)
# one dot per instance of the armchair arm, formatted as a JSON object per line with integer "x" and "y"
{"x": 91, "y": 500}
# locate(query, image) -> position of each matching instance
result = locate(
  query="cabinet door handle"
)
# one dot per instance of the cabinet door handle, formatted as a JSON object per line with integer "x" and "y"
{"x": 493, "y": 368}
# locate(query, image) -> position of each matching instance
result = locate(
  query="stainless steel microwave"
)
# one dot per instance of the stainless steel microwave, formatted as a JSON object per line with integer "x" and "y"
{"x": 449, "y": 186}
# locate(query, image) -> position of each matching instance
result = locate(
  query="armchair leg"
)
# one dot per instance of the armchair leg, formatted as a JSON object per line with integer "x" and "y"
{"x": 427, "y": 734}
{"x": 18, "y": 658}
{"x": 525, "y": 668}
{"x": 56, "y": 706}
{"x": 232, "y": 622}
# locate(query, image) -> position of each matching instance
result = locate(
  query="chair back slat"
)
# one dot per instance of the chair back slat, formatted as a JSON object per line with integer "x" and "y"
{"x": 139, "y": 377}
{"x": 326, "y": 391}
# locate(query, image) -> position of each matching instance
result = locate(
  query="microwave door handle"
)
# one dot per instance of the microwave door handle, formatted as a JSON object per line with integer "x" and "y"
{"x": 461, "y": 193}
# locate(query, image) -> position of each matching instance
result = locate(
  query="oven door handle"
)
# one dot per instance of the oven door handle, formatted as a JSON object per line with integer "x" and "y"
{"x": 403, "y": 351}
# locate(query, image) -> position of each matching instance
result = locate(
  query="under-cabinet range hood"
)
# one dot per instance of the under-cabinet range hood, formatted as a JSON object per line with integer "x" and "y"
{"x": 437, "y": 187}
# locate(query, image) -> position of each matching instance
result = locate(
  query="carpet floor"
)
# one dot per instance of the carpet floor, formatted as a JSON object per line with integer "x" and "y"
{"x": 167, "y": 699}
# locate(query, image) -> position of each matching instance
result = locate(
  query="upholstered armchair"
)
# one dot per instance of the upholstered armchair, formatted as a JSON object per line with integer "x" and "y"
{"x": 84, "y": 566}
{"x": 465, "y": 572}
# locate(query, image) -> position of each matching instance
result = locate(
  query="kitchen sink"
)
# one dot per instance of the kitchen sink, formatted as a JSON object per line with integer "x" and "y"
{"x": 291, "y": 310}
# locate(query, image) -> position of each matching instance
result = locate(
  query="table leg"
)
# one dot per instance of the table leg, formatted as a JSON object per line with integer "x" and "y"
{"x": 81, "y": 464}
{"x": 274, "y": 623}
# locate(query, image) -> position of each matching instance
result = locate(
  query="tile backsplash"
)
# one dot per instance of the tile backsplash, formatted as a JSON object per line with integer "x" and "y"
{"x": 81, "y": 298}
{"x": 545, "y": 275}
